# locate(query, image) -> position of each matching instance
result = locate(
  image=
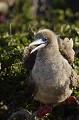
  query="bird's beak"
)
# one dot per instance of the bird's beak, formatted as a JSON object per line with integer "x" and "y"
{"x": 38, "y": 42}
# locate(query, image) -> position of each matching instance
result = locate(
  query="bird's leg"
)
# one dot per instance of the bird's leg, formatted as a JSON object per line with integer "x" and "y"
{"x": 71, "y": 100}
{"x": 43, "y": 110}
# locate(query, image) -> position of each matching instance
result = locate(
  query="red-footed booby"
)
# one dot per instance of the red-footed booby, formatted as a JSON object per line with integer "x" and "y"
{"x": 51, "y": 76}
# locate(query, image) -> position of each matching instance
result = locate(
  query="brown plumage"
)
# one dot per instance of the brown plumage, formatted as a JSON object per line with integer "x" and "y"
{"x": 51, "y": 74}
{"x": 29, "y": 59}
{"x": 66, "y": 49}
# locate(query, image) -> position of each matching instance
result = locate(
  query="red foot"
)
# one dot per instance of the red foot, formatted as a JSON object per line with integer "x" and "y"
{"x": 70, "y": 100}
{"x": 42, "y": 111}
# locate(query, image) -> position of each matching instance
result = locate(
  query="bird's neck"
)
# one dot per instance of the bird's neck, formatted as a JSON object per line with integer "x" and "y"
{"x": 47, "y": 52}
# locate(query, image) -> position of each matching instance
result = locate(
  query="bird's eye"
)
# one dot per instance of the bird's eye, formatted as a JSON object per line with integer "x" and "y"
{"x": 45, "y": 39}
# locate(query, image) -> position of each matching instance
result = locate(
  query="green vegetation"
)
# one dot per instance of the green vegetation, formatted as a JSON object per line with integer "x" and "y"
{"x": 63, "y": 19}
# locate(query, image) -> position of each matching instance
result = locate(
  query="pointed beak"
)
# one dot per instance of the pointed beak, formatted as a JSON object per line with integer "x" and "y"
{"x": 39, "y": 44}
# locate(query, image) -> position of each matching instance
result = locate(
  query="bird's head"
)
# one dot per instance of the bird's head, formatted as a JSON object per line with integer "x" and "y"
{"x": 44, "y": 38}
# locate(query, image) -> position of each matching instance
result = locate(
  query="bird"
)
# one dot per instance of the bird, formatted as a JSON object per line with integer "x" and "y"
{"x": 52, "y": 77}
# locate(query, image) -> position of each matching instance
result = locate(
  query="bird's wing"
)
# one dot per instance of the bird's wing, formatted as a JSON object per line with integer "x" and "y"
{"x": 66, "y": 49}
{"x": 29, "y": 59}
{"x": 30, "y": 87}
{"x": 74, "y": 79}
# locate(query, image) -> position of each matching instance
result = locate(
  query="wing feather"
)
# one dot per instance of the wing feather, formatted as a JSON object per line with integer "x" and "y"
{"x": 66, "y": 49}
{"x": 29, "y": 59}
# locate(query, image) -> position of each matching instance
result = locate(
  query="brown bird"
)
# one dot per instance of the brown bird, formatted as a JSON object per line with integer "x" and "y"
{"x": 52, "y": 78}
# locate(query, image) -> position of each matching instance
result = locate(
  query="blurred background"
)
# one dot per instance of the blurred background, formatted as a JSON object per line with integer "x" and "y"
{"x": 18, "y": 18}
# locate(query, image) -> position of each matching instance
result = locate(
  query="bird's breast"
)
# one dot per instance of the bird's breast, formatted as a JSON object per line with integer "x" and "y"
{"x": 50, "y": 75}
{"x": 47, "y": 71}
